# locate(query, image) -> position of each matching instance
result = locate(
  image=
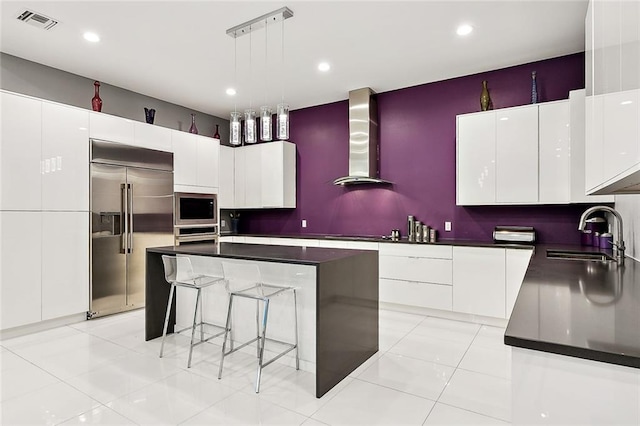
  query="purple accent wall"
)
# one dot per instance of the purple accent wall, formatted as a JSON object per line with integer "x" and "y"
{"x": 417, "y": 152}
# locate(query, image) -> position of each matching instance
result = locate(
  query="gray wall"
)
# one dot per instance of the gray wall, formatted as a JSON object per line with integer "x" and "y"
{"x": 33, "y": 79}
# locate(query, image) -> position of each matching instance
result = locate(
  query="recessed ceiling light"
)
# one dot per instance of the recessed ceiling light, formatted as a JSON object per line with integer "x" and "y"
{"x": 324, "y": 66}
{"x": 464, "y": 29}
{"x": 92, "y": 37}
{"x": 231, "y": 91}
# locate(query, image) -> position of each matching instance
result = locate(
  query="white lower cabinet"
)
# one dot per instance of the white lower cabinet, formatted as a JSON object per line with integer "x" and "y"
{"x": 65, "y": 263}
{"x": 414, "y": 268}
{"x": 414, "y": 293}
{"x": 479, "y": 281}
{"x": 20, "y": 273}
{"x": 517, "y": 262}
{"x": 45, "y": 266}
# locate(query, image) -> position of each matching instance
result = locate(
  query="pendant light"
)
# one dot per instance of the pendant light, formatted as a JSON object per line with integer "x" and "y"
{"x": 250, "y": 133}
{"x": 283, "y": 108}
{"x": 266, "y": 128}
{"x": 234, "y": 124}
{"x": 266, "y": 133}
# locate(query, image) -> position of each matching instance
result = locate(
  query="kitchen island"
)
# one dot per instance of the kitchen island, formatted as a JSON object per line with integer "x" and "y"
{"x": 338, "y": 299}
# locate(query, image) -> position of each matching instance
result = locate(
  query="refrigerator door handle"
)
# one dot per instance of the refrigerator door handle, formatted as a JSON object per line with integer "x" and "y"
{"x": 123, "y": 219}
{"x": 130, "y": 208}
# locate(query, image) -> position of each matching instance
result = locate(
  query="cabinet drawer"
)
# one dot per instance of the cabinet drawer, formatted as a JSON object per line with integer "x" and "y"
{"x": 436, "y": 271}
{"x": 410, "y": 293}
{"x": 418, "y": 250}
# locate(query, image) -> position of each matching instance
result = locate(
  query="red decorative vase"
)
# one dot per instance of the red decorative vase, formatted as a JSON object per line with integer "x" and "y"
{"x": 217, "y": 134}
{"x": 193, "y": 129}
{"x": 96, "y": 102}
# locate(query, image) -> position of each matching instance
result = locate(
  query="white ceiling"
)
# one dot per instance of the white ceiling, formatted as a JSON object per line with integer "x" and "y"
{"x": 179, "y": 51}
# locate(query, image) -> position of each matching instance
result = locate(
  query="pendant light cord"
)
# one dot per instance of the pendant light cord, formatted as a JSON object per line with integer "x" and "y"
{"x": 266, "y": 77}
{"x": 282, "y": 61}
{"x": 235, "y": 72}
{"x": 250, "y": 68}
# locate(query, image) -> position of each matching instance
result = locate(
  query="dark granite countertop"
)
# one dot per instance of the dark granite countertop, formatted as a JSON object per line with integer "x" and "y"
{"x": 386, "y": 239}
{"x": 586, "y": 309}
{"x": 261, "y": 252}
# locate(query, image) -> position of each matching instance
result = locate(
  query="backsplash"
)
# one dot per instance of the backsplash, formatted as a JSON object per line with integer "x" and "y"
{"x": 417, "y": 153}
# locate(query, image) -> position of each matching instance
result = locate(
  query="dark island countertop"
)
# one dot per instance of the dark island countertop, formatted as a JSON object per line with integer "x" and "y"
{"x": 261, "y": 252}
{"x": 585, "y": 309}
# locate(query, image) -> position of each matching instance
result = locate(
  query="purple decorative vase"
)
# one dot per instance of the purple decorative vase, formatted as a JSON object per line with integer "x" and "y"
{"x": 193, "y": 129}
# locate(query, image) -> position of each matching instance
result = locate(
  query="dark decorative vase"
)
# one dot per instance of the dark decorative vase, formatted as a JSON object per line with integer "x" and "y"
{"x": 149, "y": 115}
{"x": 217, "y": 133}
{"x": 485, "y": 99}
{"x": 96, "y": 102}
{"x": 534, "y": 88}
{"x": 193, "y": 129}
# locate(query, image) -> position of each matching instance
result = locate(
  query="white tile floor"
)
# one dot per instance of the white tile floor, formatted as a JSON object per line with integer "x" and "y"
{"x": 428, "y": 371}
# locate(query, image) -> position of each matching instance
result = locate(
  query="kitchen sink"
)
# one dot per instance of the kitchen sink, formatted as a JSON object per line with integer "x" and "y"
{"x": 577, "y": 255}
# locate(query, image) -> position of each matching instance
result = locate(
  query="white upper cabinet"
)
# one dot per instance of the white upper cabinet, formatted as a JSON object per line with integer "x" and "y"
{"x": 111, "y": 128}
{"x": 555, "y": 138}
{"x": 278, "y": 178}
{"x": 20, "y": 153}
{"x": 517, "y": 155}
{"x": 476, "y": 159}
{"x": 208, "y": 161}
{"x": 580, "y": 138}
{"x": 152, "y": 137}
{"x": 253, "y": 176}
{"x": 185, "y": 158}
{"x": 65, "y": 154}
{"x": 226, "y": 197}
{"x": 195, "y": 162}
{"x": 613, "y": 133}
{"x": 239, "y": 177}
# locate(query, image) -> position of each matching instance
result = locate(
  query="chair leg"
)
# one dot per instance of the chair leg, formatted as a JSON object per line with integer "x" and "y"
{"x": 258, "y": 328}
{"x": 226, "y": 333}
{"x": 193, "y": 328}
{"x": 264, "y": 336}
{"x": 201, "y": 320}
{"x": 166, "y": 317}
{"x": 295, "y": 324}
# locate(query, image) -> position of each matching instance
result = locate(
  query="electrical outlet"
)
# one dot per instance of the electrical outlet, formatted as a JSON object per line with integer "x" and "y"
{"x": 304, "y": 223}
{"x": 447, "y": 226}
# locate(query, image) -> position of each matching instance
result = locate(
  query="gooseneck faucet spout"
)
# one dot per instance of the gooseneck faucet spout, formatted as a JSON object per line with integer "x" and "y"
{"x": 618, "y": 245}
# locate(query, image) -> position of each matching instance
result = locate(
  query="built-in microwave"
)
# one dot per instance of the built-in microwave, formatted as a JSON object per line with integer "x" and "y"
{"x": 195, "y": 209}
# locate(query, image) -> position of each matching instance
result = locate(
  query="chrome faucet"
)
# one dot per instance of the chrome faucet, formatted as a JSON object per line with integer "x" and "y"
{"x": 618, "y": 245}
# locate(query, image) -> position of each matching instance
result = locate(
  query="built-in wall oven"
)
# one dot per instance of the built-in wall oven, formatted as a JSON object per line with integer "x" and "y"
{"x": 196, "y": 218}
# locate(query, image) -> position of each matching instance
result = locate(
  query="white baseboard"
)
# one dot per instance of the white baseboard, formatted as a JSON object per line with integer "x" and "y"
{"x": 23, "y": 330}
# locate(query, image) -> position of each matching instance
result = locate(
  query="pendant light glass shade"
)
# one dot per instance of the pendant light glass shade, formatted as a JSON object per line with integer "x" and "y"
{"x": 250, "y": 131}
{"x": 283, "y": 122}
{"x": 266, "y": 128}
{"x": 234, "y": 129}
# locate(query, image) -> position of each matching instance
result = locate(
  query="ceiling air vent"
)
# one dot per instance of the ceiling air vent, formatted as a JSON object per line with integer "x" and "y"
{"x": 37, "y": 20}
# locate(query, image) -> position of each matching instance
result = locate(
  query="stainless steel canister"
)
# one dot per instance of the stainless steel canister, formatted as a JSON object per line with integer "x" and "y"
{"x": 426, "y": 236}
{"x": 395, "y": 234}
{"x": 433, "y": 234}
{"x": 411, "y": 227}
{"x": 417, "y": 232}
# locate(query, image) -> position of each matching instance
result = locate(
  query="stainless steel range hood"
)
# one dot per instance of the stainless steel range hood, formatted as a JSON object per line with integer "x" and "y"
{"x": 363, "y": 140}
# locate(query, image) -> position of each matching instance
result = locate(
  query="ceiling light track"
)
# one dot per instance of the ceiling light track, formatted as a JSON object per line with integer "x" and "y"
{"x": 260, "y": 22}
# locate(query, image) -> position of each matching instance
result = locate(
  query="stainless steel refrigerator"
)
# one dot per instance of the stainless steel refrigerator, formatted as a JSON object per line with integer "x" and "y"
{"x": 131, "y": 209}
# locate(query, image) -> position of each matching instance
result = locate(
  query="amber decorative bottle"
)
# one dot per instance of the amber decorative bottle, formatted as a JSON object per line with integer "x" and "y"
{"x": 96, "y": 102}
{"x": 485, "y": 99}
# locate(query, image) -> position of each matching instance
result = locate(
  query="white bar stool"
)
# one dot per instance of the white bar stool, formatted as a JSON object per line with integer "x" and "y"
{"x": 245, "y": 280}
{"x": 178, "y": 271}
